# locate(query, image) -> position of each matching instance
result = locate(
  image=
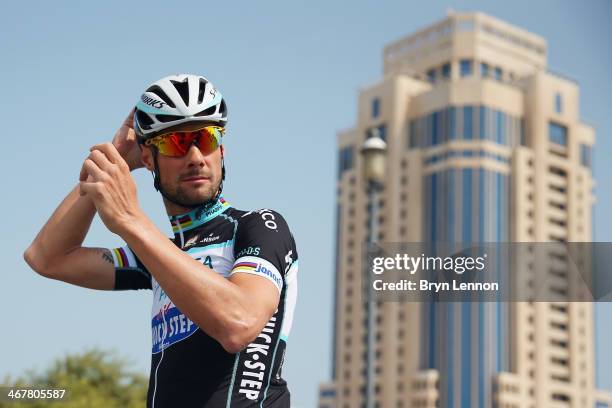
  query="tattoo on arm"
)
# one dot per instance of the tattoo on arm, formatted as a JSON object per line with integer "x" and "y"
{"x": 106, "y": 255}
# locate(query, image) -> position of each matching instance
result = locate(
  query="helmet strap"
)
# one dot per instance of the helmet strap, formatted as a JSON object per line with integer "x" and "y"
{"x": 157, "y": 179}
{"x": 222, "y": 175}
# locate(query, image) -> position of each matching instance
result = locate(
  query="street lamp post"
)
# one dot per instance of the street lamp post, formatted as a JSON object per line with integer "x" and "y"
{"x": 373, "y": 152}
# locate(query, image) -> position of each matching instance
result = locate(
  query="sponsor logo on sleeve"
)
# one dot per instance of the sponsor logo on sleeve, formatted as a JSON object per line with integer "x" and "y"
{"x": 258, "y": 354}
{"x": 288, "y": 260}
{"x": 255, "y": 267}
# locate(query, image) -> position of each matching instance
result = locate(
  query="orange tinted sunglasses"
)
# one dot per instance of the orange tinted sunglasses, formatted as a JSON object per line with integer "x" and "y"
{"x": 177, "y": 144}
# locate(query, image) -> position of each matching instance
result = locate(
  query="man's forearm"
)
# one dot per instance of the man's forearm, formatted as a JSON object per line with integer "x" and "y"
{"x": 65, "y": 230}
{"x": 214, "y": 303}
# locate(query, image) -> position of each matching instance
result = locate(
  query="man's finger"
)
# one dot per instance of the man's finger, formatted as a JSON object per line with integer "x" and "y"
{"x": 131, "y": 135}
{"x": 92, "y": 169}
{"x": 86, "y": 187}
{"x": 101, "y": 160}
{"x": 83, "y": 174}
{"x": 129, "y": 121}
{"x": 110, "y": 151}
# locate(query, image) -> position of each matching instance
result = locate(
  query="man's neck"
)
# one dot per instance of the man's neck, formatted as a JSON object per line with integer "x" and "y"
{"x": 173, "y": 209}
{"x": 192, "y": 217}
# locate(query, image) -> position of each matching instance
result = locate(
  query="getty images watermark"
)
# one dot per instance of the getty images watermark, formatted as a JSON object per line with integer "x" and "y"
{"x": 555, "y": 272}
{"x": 413, "y": 265}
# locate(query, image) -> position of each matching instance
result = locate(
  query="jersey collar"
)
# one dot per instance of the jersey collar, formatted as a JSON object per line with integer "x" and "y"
{"x": 198, "y": 216}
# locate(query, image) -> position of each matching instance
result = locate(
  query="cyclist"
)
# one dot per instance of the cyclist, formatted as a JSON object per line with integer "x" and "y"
{"x": 224, "y": 288}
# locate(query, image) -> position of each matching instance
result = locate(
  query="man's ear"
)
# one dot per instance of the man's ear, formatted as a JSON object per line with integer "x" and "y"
{"x": 146, "y": 157}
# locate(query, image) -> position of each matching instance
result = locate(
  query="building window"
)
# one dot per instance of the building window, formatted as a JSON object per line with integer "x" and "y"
{"x": 498, "y": 73}
{"x": 446, "y": 70}
{"x": 380, "y": 131}
{"x": 560, "y": 397}
{"x": 465, "y": 67}
{"x": 431, "y": 76}
{"x": 585, "y": 155}
{"x": 468, "y": 126}
{"x": 558, "y": 103}
{"x": 375, "y": 107}
{"x": 484, "y": 69}
{"x": 412, "y": 134}
{"x": 345, "y": 160}
{"x": 435, "y": 128}
{"x": 559, "y": 343}
{"x": 500, "y": 127}
{"x": 450, "y": 122}
{"x": 559, "y": 326}
{"x": 557, "y": 133}
{"x": 482, "y": 121}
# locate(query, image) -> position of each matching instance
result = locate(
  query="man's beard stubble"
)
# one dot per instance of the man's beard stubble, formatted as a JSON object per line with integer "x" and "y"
{"x": 181, "y": 195}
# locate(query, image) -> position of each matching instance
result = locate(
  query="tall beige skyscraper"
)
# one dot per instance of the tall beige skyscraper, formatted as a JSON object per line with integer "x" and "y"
{"x": 485, "y": 144}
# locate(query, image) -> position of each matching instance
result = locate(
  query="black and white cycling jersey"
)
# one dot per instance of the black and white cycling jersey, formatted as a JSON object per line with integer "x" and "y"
{"x": 188, "y": 367}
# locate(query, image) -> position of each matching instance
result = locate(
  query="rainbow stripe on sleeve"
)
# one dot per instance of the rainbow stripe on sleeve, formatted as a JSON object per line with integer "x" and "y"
{"x": 244, "y": 267}
{"x": 121, "y": 258}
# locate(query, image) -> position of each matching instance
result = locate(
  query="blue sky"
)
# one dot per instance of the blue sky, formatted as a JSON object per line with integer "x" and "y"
{"x": 290, "y": 72}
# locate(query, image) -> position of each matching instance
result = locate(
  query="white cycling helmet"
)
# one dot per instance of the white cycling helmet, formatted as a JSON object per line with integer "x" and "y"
{"x": 176, "y": 100}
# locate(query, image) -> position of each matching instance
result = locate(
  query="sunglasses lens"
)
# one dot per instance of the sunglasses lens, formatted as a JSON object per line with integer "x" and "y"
{"x": 208, "y": 139}
{"x": 177, "y": 144}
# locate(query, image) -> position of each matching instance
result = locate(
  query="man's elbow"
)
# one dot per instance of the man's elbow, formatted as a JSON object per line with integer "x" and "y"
{"x": 38, "y": 263}
{"x": 34, "y": 261}
{"x": 239, "y": 336}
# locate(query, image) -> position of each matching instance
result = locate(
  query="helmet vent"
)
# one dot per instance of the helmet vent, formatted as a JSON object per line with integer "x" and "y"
{"x": 144, "y": 120}
{"x": 162, "y": 95}
{"x": 207, "y": 111}
{"x": 168, "y": 118}
{"x": 183, "y": 90}
{"x": 201, "y": 90}
{"x": 223, "y": 109}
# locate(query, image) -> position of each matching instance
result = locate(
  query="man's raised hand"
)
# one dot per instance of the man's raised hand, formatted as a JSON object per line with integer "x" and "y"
{"x": 126, "y": 144}
{"x": 105, "y": 178}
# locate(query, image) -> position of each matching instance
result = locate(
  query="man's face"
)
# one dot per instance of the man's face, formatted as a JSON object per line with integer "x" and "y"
{"x": 189, "y": 180}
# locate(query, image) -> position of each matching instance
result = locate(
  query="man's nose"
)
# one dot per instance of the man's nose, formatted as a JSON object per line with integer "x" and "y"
{"x": 194, "y": 155}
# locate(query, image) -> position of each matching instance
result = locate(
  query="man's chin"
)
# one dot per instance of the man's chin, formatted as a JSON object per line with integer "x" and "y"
{"x": 192, "y": 197}
{"x": 189, "y": 200}
{"x": 198, "y": 200}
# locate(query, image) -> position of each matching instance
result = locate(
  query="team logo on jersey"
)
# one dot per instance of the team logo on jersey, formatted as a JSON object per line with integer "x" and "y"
{"x": 169, "y": 325}
{"x": 267, "y": 216}
{"x": 199, "y": 240}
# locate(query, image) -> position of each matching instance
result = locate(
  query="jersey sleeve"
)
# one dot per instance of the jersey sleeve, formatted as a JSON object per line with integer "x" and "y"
{"x": 130, "y": 273}
{"x": 264, "y": 246}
